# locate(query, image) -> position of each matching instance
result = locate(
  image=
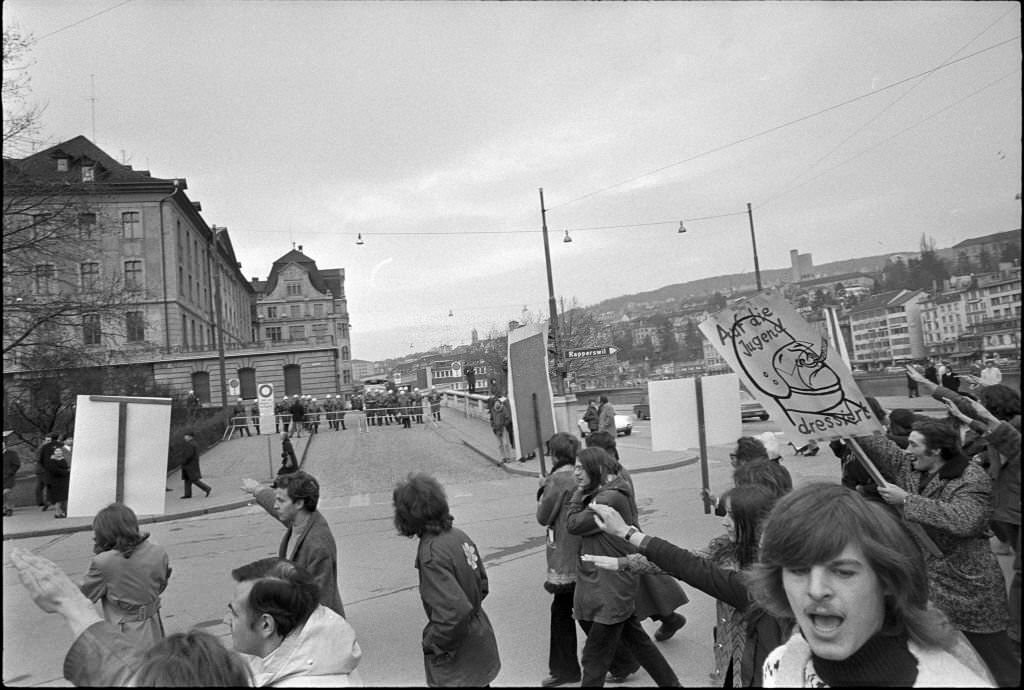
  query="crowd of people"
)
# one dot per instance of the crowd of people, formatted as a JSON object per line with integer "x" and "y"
{"x": 888, "y": 576}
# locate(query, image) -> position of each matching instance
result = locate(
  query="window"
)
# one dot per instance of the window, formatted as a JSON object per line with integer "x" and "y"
{"x": 45, "y": 279}
{"x": 90, "y": 274}
{"x": 346, "y": 376}
{"x": 295, "y": 311}
{"x": 131, "y": 224}
{"x": 296, "y": 332}
{"x": 62, "y": 165}
{"x": 135, "y": 327}
{"x": 133, "y": 274}
{"x": 344, "y": 353}
{"x": 201, "y": 385}
{"x": 318, "y": 309}
{"x": 271, "y": 312}
{"x": 91, "y": 329}
{"x": 292, "y": 379}
{"x": 274, "y": 334}
{"x": 293, "y": 289}
{"x": 184, "y": 331}
{"x": 88, "y": 173}
{"x": 86, "y": 225}
{"x": 247, "y": 379}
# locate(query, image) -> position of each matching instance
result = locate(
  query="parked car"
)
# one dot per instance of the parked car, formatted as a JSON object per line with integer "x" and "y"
{"x": 751, "y": 408}
{"x": 623, "y": 426}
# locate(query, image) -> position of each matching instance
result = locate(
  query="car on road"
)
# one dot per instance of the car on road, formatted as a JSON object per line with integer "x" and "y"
{"x": 623, "y": 426}
{"x": 751, "y": 408}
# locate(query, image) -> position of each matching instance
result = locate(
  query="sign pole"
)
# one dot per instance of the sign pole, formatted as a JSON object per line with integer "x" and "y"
{"x": 122, "y": 432}
{"x": 536, "y": 426}
{"x": 704, "y": 481}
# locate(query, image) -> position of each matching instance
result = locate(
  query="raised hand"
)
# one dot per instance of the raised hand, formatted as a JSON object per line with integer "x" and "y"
{"x": 955, "y": 411}
{"x": 609, "y": 520}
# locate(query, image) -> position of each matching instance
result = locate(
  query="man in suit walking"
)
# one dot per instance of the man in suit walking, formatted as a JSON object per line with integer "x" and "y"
{"x": 190, "y": 472}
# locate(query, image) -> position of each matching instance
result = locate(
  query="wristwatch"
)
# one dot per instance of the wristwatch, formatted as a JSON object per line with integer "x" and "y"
{"x": 630, "y": 532}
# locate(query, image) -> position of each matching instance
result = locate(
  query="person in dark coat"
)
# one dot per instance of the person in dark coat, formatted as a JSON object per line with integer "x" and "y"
{"x": 950, "y": 380}
{"x": 190, "y": 472}
{"x": 59, "y": 472}
{"x": 459, "y": 647}
{"x": 292, "y": 499}
{"x": 11, "y": 465}
{"x": 298, "y": 411}
{"x": 931, "y": 373}
{"x": 605, "y": 601}
{"x": 43, "y": 499}
{"x": 289, "y": 463}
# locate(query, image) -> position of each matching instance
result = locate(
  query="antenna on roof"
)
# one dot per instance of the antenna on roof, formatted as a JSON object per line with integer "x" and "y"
{"x": 92, "y": 98}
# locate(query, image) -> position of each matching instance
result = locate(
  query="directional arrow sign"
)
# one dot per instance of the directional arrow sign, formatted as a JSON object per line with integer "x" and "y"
{"x": 591, "y": 352}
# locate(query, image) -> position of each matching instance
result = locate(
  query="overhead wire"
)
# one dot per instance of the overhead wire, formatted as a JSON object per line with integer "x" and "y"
{"x": 82, "y": 21}
{"x": 790, "y": 123}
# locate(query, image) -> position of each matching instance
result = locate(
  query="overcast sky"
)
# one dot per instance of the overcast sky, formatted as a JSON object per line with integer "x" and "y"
{"x": 429, "y": 128}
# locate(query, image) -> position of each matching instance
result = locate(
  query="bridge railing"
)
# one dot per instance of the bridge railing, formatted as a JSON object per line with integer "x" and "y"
{"x": 472, "y": 405}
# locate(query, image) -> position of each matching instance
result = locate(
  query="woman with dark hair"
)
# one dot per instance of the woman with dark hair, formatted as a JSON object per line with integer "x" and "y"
{"x": 936, "y": 486}
{"x": 459, "y": 648}
{"x": 853, "y": 579}
{"x": 192, "y": 659}
{"x": 127, "y": 575}
{"x": 562, "y": 555}
{"x": 604, "y": 602}
{"x": 745, "y": 634}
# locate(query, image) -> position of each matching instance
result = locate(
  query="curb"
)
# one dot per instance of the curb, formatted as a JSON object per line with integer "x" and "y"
{"x": 224, "y": 507}
{"x": 674, "y": 464}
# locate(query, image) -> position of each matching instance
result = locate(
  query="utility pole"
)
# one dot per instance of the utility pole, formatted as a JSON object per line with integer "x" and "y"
{"x": 753, "y": 241}
{"x": 552, "y": 308}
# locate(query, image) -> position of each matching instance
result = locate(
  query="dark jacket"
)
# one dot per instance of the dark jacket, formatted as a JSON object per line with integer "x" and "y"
{"x": 602, "y": 596}
{"x": 190, "y": 465}
{"x": 954, "y": 507}
{"x": 12, "y": 463}
{"x": 459, "y": 647}
{"x": 59, "y": 473}
{"x": 315, "y": 550}
{"x": 763, "y": 632}
{"x": 563, "y": 549}
{"x": 289, "y": 463}
{"x": 590, "y": 417}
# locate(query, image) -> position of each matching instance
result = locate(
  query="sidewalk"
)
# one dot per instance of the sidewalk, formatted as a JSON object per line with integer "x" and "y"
{"x": 224, "y": 466}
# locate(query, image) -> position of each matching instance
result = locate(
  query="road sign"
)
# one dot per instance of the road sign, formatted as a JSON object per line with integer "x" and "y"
{"x": 591, "y": 352}
{"x": 265, "y": 406}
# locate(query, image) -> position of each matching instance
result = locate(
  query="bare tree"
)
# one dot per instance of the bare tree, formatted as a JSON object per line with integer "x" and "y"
{"x": 21, "y": 117}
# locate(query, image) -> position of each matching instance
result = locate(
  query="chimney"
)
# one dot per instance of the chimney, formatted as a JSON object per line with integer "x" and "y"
{"x": 300, "y": 247}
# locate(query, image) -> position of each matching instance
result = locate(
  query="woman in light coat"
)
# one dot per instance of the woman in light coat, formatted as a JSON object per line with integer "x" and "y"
{"x": 127, "y": 575}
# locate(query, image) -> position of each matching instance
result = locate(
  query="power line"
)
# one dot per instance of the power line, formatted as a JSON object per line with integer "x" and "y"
{"x": 82, "y": 21}
{"x": 785, "y": 124}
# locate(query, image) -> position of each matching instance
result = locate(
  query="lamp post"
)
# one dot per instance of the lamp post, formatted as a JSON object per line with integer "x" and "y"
{"x": 552, "y": 308}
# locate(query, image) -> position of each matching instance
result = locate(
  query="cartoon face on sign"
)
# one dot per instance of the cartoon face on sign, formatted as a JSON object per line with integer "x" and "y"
{"x": 774, "y": 350}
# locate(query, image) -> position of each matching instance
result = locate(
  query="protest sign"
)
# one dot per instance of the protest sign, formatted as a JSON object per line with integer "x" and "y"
{"x": 120, "y": 454}
{"x": 801, "y": 381}
{"x": 528, "y": 388}
{"x": 674, "y": 412}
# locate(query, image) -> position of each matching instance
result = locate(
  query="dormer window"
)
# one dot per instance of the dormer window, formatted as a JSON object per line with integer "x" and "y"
{"x": 88, "y": 173}
{"x": 62, "y": 165}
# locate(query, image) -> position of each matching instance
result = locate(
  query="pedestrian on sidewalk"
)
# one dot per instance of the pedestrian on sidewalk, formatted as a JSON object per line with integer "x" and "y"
{"x": 254, "y": 415}
{"x": 289, "y": 463}
{"x": 500, "y": 418}
{"x": 43, "y": 499}
{"x": 127, "y": 575}
{"x": 292, "y": 499}
{"x": 12, "y": 462}
{"x": 459, "y": 647}
{"x": 59, "y": 472}
{"x": 298, "y": 411}
{"x": 240, "y": 419}
{"x": 190, "y": 471}
{"x": 434, "y": 398}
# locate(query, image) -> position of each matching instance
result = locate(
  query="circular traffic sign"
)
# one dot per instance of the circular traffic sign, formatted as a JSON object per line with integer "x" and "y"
{"x": 265, "y": 390}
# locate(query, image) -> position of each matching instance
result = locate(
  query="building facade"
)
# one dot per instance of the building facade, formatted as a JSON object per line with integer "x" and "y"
{"x": 885, "y": 329}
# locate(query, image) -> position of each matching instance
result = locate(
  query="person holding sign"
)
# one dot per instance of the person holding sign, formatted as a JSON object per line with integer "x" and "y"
{"x": 852, "y": 578}
{"x": 939, "y": 488}
{"x": 127, "y": 575}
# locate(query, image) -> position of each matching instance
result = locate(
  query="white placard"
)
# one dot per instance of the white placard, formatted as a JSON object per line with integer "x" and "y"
{"x": 265, "y": 402}
{"x": 94, "y": 462}
{"x": 674, "y": 424}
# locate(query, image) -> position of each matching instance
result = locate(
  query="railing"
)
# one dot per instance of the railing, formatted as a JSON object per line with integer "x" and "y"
{"x": 472, "y": 405}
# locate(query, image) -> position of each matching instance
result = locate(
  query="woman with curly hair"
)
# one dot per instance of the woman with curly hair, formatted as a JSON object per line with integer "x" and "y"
{"x": 127, "y": 575}
{"x": 459, "y": 648}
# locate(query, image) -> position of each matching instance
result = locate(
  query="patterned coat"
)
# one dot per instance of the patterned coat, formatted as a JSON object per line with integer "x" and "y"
{"x": 954, "y": 507}
{"x": 563, "y": 549}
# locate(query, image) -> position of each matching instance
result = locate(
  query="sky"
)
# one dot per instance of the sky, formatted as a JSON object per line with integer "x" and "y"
{"x": 430, "y": 128}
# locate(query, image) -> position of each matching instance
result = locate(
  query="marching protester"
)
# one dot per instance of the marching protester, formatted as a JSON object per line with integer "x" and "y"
{"x": 280, "y": 635}
{"x": 745, "y": 634}
{"x": 854, "y": 581}
{"x": 292, "y": 499}
{"x": 939, "y": 488}
{"x": 562, "y": 554}
{"x": 604, "y": 601}
{"x": 127, "y": 575}
{"x": 459, "y": 647}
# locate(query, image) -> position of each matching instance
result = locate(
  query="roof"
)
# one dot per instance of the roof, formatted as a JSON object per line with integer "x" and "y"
{"x": 879, "y": 301}
{"x": 833, "y": 279}
{"x": 325, "y": 280}
{"x": 80, "y": 152}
